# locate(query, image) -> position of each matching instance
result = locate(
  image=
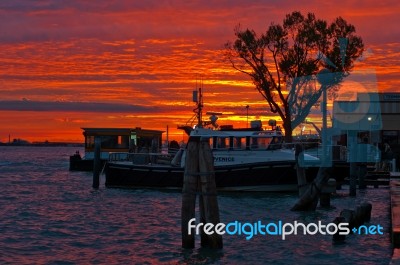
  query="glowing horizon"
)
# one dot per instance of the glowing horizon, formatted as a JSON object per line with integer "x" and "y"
{"x": 70, "y": 65}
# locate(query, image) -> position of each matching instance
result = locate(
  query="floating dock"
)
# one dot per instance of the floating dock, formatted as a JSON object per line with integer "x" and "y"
{"x": 395, "y": 218}
{"x": 395, "y": 211}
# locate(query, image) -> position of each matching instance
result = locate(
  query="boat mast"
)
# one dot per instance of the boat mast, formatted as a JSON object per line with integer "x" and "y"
{"x": 198, "y": 98}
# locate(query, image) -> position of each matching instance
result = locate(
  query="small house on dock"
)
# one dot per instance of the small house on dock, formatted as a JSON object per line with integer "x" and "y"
{"x": 115, "y": 140}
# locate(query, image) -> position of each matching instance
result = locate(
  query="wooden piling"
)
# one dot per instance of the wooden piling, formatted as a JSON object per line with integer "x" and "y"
{"x": 362, "y": 172}
{"x": 359, "y": 216}
{"x": 309, "y": 200}
{"x": 189, "y": 190}
{"x": 345, "y": 216}
{"x": 362, "y": 214}
{"x": 96, "y": 163}
{"x": 338, "y": 237}
{"x": 395, "y": 212}
{"x": 367, "y": 208}
{"x": 355, "y": 218}
{"x": 348, "y": 216}
{"x": 326, "y": 191}
{"x": 353, "y": 179}
{"x": 199, "y": 178}
{"x": 300, "y": 171}
{"x": 209, "y": 194}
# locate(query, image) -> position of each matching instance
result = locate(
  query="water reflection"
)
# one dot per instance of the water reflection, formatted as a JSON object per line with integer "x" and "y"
{"x": 52, "y": 216}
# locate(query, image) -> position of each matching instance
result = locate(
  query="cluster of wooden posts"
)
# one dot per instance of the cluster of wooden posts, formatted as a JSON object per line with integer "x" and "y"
{"x": 199, "y": 179}
{"x": 355, "y": 218}
{"x": 321, "y": 188}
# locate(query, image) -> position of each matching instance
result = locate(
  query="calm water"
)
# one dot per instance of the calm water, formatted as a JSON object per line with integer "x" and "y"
{"x": 49, "y": 215}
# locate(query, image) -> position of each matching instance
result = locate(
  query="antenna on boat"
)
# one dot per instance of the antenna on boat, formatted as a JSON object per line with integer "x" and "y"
{"x": 198, "y": 98}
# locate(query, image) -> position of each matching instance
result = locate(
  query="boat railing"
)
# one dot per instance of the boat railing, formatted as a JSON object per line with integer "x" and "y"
{"x": 141, "y": 158}
{"x": 337, "y": 152}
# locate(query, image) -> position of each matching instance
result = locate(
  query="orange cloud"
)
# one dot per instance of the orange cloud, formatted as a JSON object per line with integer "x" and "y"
{"x": 151, "y": 55}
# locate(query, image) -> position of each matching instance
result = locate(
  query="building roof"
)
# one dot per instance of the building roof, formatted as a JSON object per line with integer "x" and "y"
{"x": 120, "y": 131}
{"x": 370, "y": 111}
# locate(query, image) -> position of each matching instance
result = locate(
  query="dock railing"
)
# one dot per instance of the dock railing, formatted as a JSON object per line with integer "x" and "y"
{"x": 141, "y": 158}
{"x": 365, "y": 153}
{"x": 338, "y": 152}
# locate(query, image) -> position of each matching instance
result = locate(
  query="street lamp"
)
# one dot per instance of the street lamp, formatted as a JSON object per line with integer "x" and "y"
{"x": 325, "y": 78}
{"x": 371, "y": 121}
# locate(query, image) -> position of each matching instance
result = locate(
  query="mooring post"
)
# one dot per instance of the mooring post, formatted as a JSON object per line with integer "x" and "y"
{"x": 337, "y": 237}
{"x": 190, "y": 183}
{"x": 353, "y": 179}
{"x": 362, "y": 172}
{"x": 362, "y": 213}
{"x": 352, "y": 143}
{"x": 354, "y": 218}
{"x": 367, "y": 208}
{"x": 362, "y": 166}
{"x": 208, "y": 194}
{"x": 301, "y": 174}
{"x": 309, "y": 200}
{"x": 326, "y": 191}
{"x": 199, "y": 178}
{"x": 96, "y": 162}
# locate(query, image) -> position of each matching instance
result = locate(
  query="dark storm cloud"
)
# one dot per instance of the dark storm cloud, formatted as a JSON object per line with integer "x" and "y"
{"x": 28, "y": 105}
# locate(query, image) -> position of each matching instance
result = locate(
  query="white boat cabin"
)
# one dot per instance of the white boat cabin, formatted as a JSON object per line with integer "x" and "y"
{"x": 241, "y": 139}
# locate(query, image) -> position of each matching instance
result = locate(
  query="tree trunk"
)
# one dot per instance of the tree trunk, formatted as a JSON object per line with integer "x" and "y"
{"x": 287, "y": 126}
{"x": 309, "y": 200}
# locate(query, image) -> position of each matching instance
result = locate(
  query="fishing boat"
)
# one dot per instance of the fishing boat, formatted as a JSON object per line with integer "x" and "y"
{"x": 245, "y": 159}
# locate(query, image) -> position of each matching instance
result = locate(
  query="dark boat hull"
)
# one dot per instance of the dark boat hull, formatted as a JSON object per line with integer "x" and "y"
{"x": 277, "y": 176}
{"x": 76, "y": 163}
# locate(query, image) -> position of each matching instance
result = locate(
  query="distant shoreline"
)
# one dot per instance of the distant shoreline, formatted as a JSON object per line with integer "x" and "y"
{"x": 41, "y": 144}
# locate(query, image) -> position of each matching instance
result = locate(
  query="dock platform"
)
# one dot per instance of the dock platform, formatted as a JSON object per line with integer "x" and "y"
{"x": 395, "y": 219}
{"x": 376, "y": 179}
{"x": 395, "y": 211}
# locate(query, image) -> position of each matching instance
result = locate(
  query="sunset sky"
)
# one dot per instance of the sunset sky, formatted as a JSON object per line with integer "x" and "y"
{"x": 71, "y": 64}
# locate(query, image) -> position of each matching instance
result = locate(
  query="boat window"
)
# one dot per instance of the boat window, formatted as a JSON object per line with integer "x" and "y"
{"x": 239, "y": 142}
{"x": 214, "y": 142}
{"x": 276, "y": 143}
{"x": 109, "y": 141}
{"x": 254, "y": 144}
{"x": 260, "y": 142}
{"x": 114, "y": 141}
{"x": 230, "y": 142}
{"x": 123, "y": 141}
{"x": 89, "y": 141}
{"x": 223, "y": 142}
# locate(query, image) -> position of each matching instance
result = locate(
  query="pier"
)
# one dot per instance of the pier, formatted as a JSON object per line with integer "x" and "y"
{"x": 395, "y": 211}
{"x": 395, "y": 219}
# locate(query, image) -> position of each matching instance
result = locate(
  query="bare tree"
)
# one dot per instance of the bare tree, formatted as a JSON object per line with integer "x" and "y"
{"x": 285, "y": 61}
